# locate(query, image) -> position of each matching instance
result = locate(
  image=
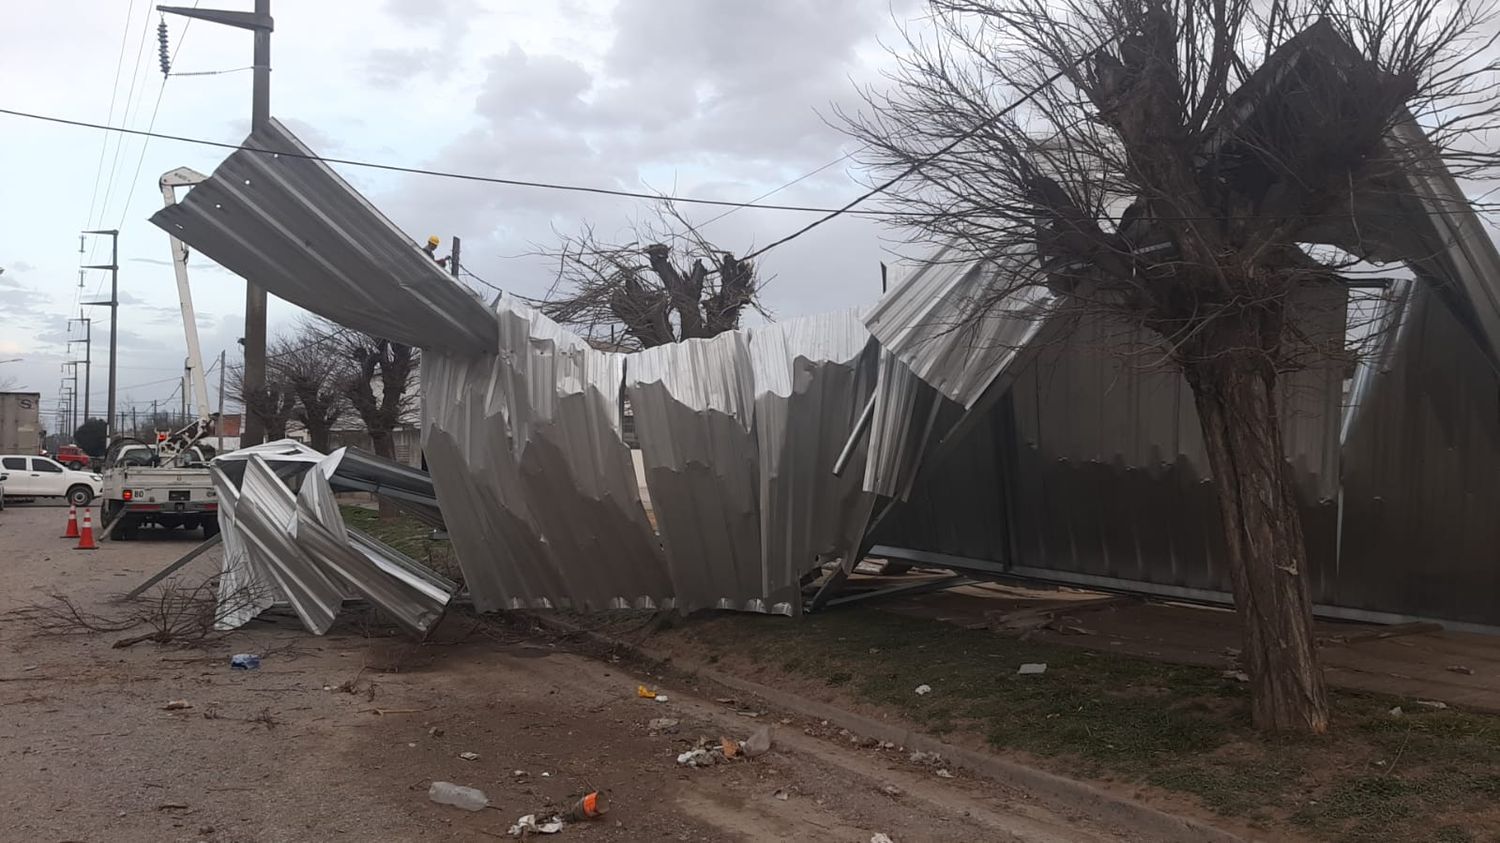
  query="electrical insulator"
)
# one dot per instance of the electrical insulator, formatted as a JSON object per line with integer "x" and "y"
{"x": 161, "y": 43}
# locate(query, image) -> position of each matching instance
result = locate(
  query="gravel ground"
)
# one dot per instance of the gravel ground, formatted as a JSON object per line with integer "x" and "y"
{"x": 339, "y": 737}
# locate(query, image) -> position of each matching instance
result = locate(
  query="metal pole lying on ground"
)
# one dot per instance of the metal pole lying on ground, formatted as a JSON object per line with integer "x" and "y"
{"x": 174, "y": 567}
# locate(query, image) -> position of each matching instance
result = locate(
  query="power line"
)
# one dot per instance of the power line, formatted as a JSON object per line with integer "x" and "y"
{"x": 113, "y": 94}
{"x": 846, "y": 209}
{"x": 421, "y": 171}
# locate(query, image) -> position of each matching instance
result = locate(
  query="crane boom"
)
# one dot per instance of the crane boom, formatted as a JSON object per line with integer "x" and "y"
{"x": 180, "y": 440}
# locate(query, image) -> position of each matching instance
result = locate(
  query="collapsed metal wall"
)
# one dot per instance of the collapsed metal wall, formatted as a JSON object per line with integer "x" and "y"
{"x": 1421, "y": 476}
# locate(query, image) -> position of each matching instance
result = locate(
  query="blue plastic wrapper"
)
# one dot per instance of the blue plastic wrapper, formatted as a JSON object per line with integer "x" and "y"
{"x": 244, "y": 661}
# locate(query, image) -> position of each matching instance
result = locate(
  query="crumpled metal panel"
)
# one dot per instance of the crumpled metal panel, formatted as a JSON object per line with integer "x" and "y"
{"x": 900, "y": 429}
{"x": 811, "y": 378}
{"x": 245, "y": 588}
{"x": 295, "y": 547}
{"x": 536, "y": 483}
{"x": 265, "y": 516}
{"x": 294, "y": 227}
{"x": 930, "y": 322}
{"x": 694, "y": 418}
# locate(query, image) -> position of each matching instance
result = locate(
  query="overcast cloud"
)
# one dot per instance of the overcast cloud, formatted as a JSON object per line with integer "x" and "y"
{"x": 695, "y": 97}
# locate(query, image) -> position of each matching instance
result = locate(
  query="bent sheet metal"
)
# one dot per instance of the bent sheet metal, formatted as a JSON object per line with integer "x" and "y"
{"x": 281, "y": 545}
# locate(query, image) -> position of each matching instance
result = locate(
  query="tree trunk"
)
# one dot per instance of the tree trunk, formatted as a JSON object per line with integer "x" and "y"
{"x": 1234, "y": 388}
{"x": 384, "y": 445}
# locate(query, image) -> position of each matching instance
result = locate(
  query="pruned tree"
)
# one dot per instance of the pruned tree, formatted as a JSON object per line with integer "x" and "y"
{"x": 307, "y": 363}
{"x": 1162, "y": 165}
{"x": 90, "y": 437}
{"x": 274, "y": 404}
{"x": 666, "y": 284}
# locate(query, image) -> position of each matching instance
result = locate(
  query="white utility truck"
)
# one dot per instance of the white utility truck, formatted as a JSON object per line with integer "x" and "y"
{"x": 167, "y": 482}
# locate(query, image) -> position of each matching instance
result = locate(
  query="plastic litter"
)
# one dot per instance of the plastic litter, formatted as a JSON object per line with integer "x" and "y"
{"x": 919, "y": 757}
{"x": 589, "y": 806}
{"x": 467, "y": 798}
{"x": 944, "y": 774}
{"x": 244, "y": 661}
{"x": 881, "y": 838}
{"x": 1031, "y": 669}
{"x": 645, "y": 693}
{"x": 530, "y": 825}
{"x": 759, "y": 743}
{"x": 177, "y": 705}
{"x": 469, "y": 756}
{"x": 1433, "y": 704}
{"x": 923, "y": 690}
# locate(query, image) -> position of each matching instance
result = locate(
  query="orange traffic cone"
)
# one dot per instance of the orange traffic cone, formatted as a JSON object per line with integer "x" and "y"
{"x": 72, "y": 531}
{"x": 86, "y": 539}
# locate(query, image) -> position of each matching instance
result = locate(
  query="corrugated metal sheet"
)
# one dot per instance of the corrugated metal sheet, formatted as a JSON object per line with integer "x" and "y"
{"x": 295, "y": 547}
{"x": 933, "y": 322}
{"x": 1421, "y": 476}
{"x": 536, "y": 484}
{"x": 812, "y": 378}
{"x": 294, "y": 227}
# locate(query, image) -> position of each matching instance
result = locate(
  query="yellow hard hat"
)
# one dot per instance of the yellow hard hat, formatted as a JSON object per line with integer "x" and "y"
{"x": 433, "y": 240}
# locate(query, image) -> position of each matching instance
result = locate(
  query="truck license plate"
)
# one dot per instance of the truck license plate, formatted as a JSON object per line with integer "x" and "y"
{"x": 179, "y": 495}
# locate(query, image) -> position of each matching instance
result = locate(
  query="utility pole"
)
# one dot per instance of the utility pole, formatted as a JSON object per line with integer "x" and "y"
{"x": 73, "y": 401}
{"x": 88, "y": 368}
{"x": 114, "y": 319}
{"x": 135, "y": 428}
{"x": 220, "y": 425}
{"x": 260, "y": 23}
{"x": 453, "y": 258}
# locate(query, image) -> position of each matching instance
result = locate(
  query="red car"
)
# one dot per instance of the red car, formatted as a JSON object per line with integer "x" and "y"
{"x": 73, "y": 457}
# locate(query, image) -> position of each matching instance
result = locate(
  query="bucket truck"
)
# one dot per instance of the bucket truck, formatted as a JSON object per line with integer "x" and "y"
{"x": 167, "y": 482}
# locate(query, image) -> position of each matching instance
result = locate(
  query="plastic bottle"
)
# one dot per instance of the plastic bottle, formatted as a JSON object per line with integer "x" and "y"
{"x": 467, "y": 798}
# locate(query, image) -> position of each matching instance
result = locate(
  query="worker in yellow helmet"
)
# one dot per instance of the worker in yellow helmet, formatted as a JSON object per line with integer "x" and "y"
{"x": 431, "y": 250}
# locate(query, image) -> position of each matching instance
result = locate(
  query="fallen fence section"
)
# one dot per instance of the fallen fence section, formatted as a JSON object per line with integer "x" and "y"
{"x": 294, "y": 547}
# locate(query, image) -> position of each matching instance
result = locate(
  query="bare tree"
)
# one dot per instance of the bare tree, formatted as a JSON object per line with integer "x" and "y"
{"x": 274, "y": 404}
{"x": 667, "y": 284}
{"x": 1159, "y": 164}
{"x": 309, "y": 365}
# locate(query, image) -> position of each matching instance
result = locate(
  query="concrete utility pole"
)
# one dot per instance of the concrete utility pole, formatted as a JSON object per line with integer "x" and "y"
{"x": 73, "y": 401}
{"x": 88, "y": 368}
{"x": 114, "y": 319}
{"x": 260, "y": 23}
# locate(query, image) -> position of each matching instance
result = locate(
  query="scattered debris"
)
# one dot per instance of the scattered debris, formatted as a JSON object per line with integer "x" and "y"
{"x": 758, "y": 744}
{"x": 1433, "y": 704}
{"x": 729, "y": 747}
{"x": 1073, "y": 629}
{"x": 1236, "y": 675}
{"x": 696, "y": 758}
{"x": 1458, "y": 668}
{"x": 172, "y": 806}
{"x": 1032, "y": 668}
{"x": 177, "y": 705}
{"x": 529, "y": 825}
{"x": 881, "y": 837}
{"x": 520, "y": 774}
{"x": 893, "y": 791}
{"x": 664, "y": 725}
{"x": 780, "y": 794}
{"x": 244, "y": 661}
{"x": 469, "y": 756}
{"x": 725, "y": 700}
{"x": 467, "y": 798}
{"x": 645, "y": 693}
{"x": 1396, "y": 712}
{"x": 943, "y": 773}
{"x": 920, "y": 757}
{"x": 923, "y": 690}
{"x": 590, "y": 806}
{"x": 435, "y": 731}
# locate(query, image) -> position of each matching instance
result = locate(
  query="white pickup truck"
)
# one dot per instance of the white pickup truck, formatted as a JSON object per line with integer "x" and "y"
{"x": 170, "y": 496}
{"x": 42, "y": 477}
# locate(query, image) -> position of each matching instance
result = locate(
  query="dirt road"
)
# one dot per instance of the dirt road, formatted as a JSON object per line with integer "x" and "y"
{"x": 339, "y": 737}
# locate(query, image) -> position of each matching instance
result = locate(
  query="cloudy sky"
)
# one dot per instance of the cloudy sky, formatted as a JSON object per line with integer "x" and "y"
{"x": 700, "y": 98}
